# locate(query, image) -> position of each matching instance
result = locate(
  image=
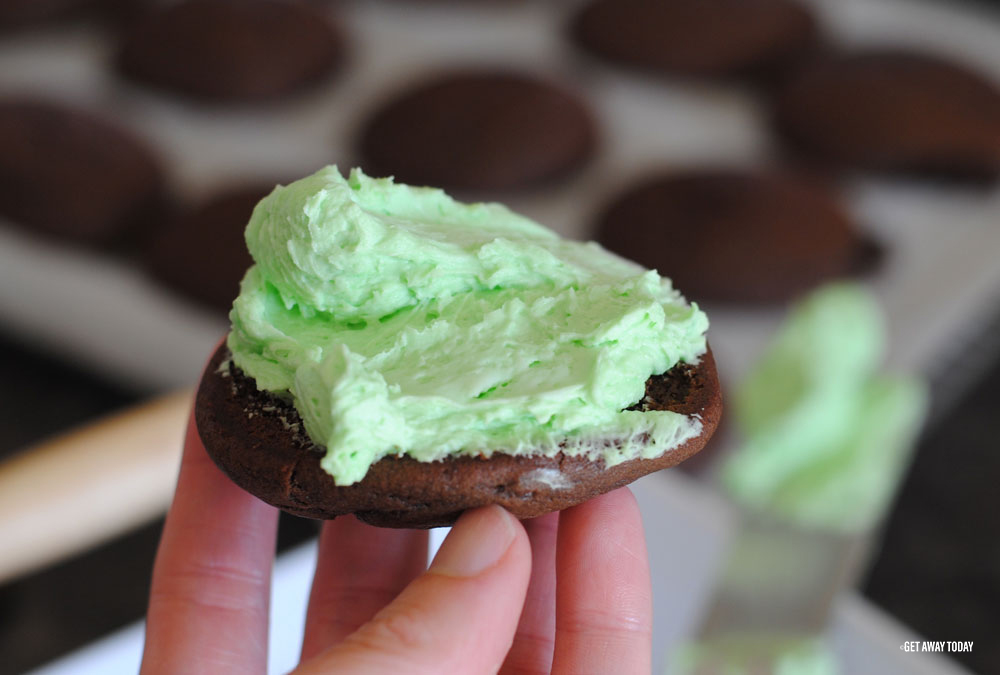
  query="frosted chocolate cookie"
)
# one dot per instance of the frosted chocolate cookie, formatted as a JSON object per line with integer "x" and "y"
{"x": 707, "y": 38}
{"x": 479, "y": 130}
{"x": 201, "y": 253}
{"x": 732, "y": 235}
{"x": 893, "y": 111}
{"x": 402, "y": 356}
{"x": 71, "y": 174}
{"x": 232, "y": 50}
{"x": 260, "y": 442}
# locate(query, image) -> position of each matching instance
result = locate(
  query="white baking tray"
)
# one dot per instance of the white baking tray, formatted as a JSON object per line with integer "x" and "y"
{"x": 938, "y": 280}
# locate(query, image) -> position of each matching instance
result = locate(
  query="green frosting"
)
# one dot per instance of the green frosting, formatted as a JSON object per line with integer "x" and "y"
{"x": 825, "y": 436}
{"x": 748, "y": 654}
{"x": 402, "y": 322}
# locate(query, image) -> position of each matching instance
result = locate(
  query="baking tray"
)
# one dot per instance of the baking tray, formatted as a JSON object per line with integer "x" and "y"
{"x": 938, "y": 285}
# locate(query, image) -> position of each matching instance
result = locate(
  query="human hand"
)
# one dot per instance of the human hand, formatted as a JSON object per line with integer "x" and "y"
{"x": 564, "y": 593}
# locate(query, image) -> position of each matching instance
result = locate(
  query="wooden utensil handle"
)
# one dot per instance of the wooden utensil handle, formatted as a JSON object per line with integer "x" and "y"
{"x": 86, "y": 486}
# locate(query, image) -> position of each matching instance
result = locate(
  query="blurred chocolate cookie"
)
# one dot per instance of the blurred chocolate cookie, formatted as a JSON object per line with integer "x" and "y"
{"x": 704, "y": 38}
{"x": 728, "y": 235}
{"x": 21, "y": 13}
{"x": 232, "y": 50}
{"x": 202, "y": 253}
{"x": 479, "y": 130}
{"x": 893, "y": 111}
{"x": 72, "y": 174}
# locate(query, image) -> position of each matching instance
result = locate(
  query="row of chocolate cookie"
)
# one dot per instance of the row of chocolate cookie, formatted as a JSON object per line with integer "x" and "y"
{"x": 885, "y": 110}
{"x": 889, "y": 110}
{"x": 487, "y": 131}
{"x": 729, "y": 235}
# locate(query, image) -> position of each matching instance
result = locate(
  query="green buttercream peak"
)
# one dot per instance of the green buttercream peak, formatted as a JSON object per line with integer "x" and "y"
{"x": 826, "y": 436}
{"x": 749, "y": 653}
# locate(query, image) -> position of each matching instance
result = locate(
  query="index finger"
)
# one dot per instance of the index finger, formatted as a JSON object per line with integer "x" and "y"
{"x": 208, "y": 606}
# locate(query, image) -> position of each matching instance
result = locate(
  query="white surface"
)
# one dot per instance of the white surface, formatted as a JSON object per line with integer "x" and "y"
{"x": 100, "y": 312}
{"x": 686, "y": 531}
{"x": 865, "y": 640}
{"x": 942, "y": 244}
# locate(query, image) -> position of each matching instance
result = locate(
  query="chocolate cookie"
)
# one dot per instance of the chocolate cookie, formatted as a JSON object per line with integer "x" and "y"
{"x": 479, "y": 130}
{"x": 69, "y": 173}
{"x": 20, "y": 13}
{"x": 735, "y": 236}
{"x": 257, "y": 439}
{"x": 232, "y": 50}
{"x": 707, "y": 38}
{"x": 893, "y": 111}
{"x": 202, "y": 253}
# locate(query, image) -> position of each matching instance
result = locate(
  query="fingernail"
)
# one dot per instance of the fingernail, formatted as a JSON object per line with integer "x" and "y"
{"x": 477, "y": 542}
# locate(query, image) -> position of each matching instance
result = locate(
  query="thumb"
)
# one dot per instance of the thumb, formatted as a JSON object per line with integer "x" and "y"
{"x": 458, "y": 617}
